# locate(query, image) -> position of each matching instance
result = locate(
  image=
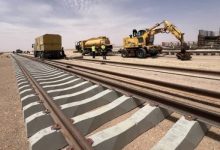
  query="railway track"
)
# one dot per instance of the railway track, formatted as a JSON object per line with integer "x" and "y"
{"x": 91, "y": 98}
{"x": 206, "y": 74}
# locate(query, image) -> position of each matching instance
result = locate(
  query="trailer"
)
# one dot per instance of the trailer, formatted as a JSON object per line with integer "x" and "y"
{"x": 48, "y": 46}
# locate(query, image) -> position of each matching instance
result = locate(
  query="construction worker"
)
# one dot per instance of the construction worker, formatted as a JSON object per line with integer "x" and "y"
{"x": 93, "y": 51}
{"x": 104, "y": 51}
{"x": 83, "y": 50}
{"x": 62, "y": 53}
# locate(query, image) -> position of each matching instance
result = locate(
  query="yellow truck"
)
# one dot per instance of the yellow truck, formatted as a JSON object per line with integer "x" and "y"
{"x": 85, "y": 47}
{"x": 48, "y": 46}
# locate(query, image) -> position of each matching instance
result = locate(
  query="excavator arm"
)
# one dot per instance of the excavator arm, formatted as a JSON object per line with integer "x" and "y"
{"x": 170, "y": 28}
{"x": 174, "y": 30}
{"x": 183, "y": 55}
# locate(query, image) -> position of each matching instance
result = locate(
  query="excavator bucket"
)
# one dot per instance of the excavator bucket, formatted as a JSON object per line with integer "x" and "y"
{"x": 183, "y": 56}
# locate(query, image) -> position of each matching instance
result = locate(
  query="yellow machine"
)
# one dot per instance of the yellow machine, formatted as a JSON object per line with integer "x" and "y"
{"x": 141, "y": 43}
{"x": 48, "y": 46}
{"x": 86, "y": 46}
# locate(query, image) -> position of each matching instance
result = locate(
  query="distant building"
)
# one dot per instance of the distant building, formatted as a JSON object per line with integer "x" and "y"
{"x": 177, "y": 45}
{"x": 208, "y": 38}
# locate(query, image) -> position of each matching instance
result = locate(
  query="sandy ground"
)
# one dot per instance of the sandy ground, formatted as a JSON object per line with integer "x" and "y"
{"x": 197, "y": 62}
{"x": 200, "y": 62}
{"x": 72, "y": 54}
{"x": 211, "y": 141}
{"x": 12, "y": 130}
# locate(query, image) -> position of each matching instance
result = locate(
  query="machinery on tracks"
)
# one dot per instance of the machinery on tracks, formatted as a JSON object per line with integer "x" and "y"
{"x": 141, "y": 43}
{"x": 85, "y": 47}
{"x": 48, "y": 46}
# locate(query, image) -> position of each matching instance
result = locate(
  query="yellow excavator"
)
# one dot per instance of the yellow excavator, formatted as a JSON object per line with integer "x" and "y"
{"x": 141, "y": 43}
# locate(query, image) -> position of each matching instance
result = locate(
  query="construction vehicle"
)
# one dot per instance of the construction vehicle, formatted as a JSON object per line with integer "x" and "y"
{"x": 48, "y": 46}
{"x": 18, "y": 51}
{"x": 85, "y": 47}
{"x": 141, "y": 43}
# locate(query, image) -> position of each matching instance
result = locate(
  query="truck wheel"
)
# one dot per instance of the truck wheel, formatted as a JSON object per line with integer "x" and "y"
{"x": 35, "y": 54}
{"x": 42, "y": 55}
{"x": 124, "y": 53}
{"x": 141, "y": 53}
{"x": 153, "y": 52}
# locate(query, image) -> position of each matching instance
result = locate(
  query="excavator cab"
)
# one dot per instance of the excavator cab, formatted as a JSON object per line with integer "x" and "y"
{"x": 151, "y": 40}
{"x": 134, "y": 32}
{"x": 141, "y": 32}
{"x": 78, "y": 46}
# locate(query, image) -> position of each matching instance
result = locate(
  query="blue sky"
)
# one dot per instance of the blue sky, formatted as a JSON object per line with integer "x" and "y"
{"x": 23, "y": 20}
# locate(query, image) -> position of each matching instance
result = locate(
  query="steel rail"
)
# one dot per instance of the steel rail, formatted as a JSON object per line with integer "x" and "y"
{"x": 190, "y": 89}
{"x": 74, "y": 137}
{"x": 171, "y": 103}
{"x": 202, "y": 75}
{"x": 165, "y": 90}
{"x": 170, "y": 68}
{"x": 146, "y": 66}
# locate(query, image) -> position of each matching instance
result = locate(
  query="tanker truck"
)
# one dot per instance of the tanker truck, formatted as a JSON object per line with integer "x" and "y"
{"x": 85, "y": 47}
